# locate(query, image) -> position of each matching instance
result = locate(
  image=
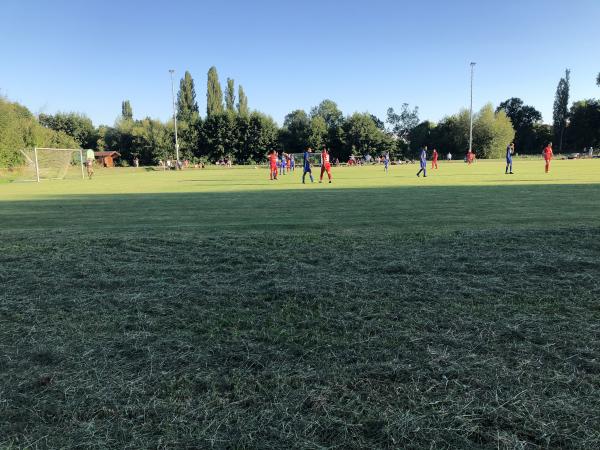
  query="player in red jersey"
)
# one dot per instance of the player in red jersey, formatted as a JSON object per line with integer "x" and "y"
{"x": 273, "y": 165}
{"x": 548, "y": 156}
{"x": 434, "y": 158}
{"x": 470, "y": 156}
{"x": 325, "y": 165}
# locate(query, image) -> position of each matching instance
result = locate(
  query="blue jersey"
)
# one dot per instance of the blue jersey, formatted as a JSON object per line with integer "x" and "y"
{"x": 508, "y": 153}
{"x": 423, "y": 157}
{"x": 306, "y": 160}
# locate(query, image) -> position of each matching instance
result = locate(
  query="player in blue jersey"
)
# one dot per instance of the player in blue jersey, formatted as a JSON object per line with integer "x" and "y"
{"x": 386, "y": 161}
{"x": 282, "y": 164}
{"x": 510, "y": 149}
{"x": 423, "y": 158}
{"x": 307, "y": 169}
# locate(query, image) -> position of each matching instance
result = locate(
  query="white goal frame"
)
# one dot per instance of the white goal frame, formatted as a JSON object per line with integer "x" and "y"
{"x": 35, "y": 161}
{"x": 315, "y": 158}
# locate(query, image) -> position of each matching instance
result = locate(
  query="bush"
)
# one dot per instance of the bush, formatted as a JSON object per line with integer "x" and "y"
{"x": 19, "y": 129}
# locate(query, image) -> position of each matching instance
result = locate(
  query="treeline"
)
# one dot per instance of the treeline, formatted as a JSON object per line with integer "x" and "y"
{"x": 19, "y": 129}
{"x": 229, "y": 128}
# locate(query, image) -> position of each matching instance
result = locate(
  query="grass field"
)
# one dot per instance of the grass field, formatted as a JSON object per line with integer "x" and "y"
{"x": 216, "y": 309}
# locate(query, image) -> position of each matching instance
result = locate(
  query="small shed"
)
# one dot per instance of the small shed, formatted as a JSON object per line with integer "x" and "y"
{"x": 106, "y": 159}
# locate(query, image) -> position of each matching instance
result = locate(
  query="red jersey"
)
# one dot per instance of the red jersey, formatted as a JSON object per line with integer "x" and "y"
{"x": 548, "y": 153}
{"x": 325, "y": 158}
{"x": 273, "y": 159}
{"x": 435, "y": 155}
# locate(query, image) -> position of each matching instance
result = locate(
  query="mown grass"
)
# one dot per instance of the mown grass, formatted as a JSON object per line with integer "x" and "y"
{"x": 384, "y": 316}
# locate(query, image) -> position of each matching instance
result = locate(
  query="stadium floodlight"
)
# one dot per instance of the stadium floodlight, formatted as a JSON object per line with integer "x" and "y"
{"x": 471, "y": 111}
{"x": 172, "y": 71}
{"x": 51, "y": 163}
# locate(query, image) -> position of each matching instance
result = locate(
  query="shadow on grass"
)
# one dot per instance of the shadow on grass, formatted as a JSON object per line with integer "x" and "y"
{"x": 420, "y": 208}
{"x": 302, "y": 319}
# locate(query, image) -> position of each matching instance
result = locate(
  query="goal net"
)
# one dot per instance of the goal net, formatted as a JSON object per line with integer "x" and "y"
{"x": 314, "y": 158}
{"x": 51, "y": 164}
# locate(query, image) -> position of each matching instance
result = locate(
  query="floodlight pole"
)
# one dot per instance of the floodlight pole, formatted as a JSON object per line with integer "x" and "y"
{"x": 471, "y": 111}
{"x": 171, "y": 71}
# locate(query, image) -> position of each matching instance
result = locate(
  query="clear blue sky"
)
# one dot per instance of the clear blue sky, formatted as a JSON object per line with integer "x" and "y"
{"x": 87, "y": 56}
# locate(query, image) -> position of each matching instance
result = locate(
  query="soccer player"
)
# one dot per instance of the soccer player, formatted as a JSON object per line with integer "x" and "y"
{"x": 89, "y": 163}
{"x": 548, "y": 156}
{"x": 470, "y": 157}
{"x": 307, "y": 169}
{"x": 510, "y": 149}
{"x": 434, "y": 158}
{"x": 292, "y": 162}
{"x": 386, "y": 161}
{"x": 273, "y": 165}
{"x": 325, "y": 165}
{"x": 288, "y": 162}
{"x": 423, "y": 158}
{"x": 282, "y": 164}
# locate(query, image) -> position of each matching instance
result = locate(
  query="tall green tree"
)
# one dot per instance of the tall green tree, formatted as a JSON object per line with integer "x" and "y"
{"x": 187, "y": 107}
{"x": 188, "y": 116}
{"x": 214, "y": 94}
{"x": 561, "y": 109}
{"x": 126, "y": 110}
{"x": 451, "y": 134}
{"x": 257, "y": 134}
{"x": 120, "y": 138}
{"x": 362, "y": 136}
{"x": 19, "y": 129}
{"x": 221, "y": 136}
{"x": 78, "y": 126}
{"x": 330, "y": 112}
{"x": 492, "y": 132}
{"x": 543, "y": 135}
{"x": 188, "y": 133}
{"x": 523, "y": 118}
{"x": 334, "y": 119}
{"x": 317, "y": 132}
{"x": 421, "y": 135}
{"x": 295, "y": 132}
{"x": 584, "y": 126}
{"x": 402, "y": 124}
{"x": 152, "y": 141}
{"x": 230, "y": 95}
{"x": 380, "y": 124}
{"x": 101, "y": 132}
{"x": 242, "y": 105}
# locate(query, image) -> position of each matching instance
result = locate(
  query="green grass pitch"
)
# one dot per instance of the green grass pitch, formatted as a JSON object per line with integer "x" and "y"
{"x": 217, "y": 309}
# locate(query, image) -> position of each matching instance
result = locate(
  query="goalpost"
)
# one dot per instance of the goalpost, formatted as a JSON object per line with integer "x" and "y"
{"x": 314, "y": 158}
{"x": 52, "y": 164}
